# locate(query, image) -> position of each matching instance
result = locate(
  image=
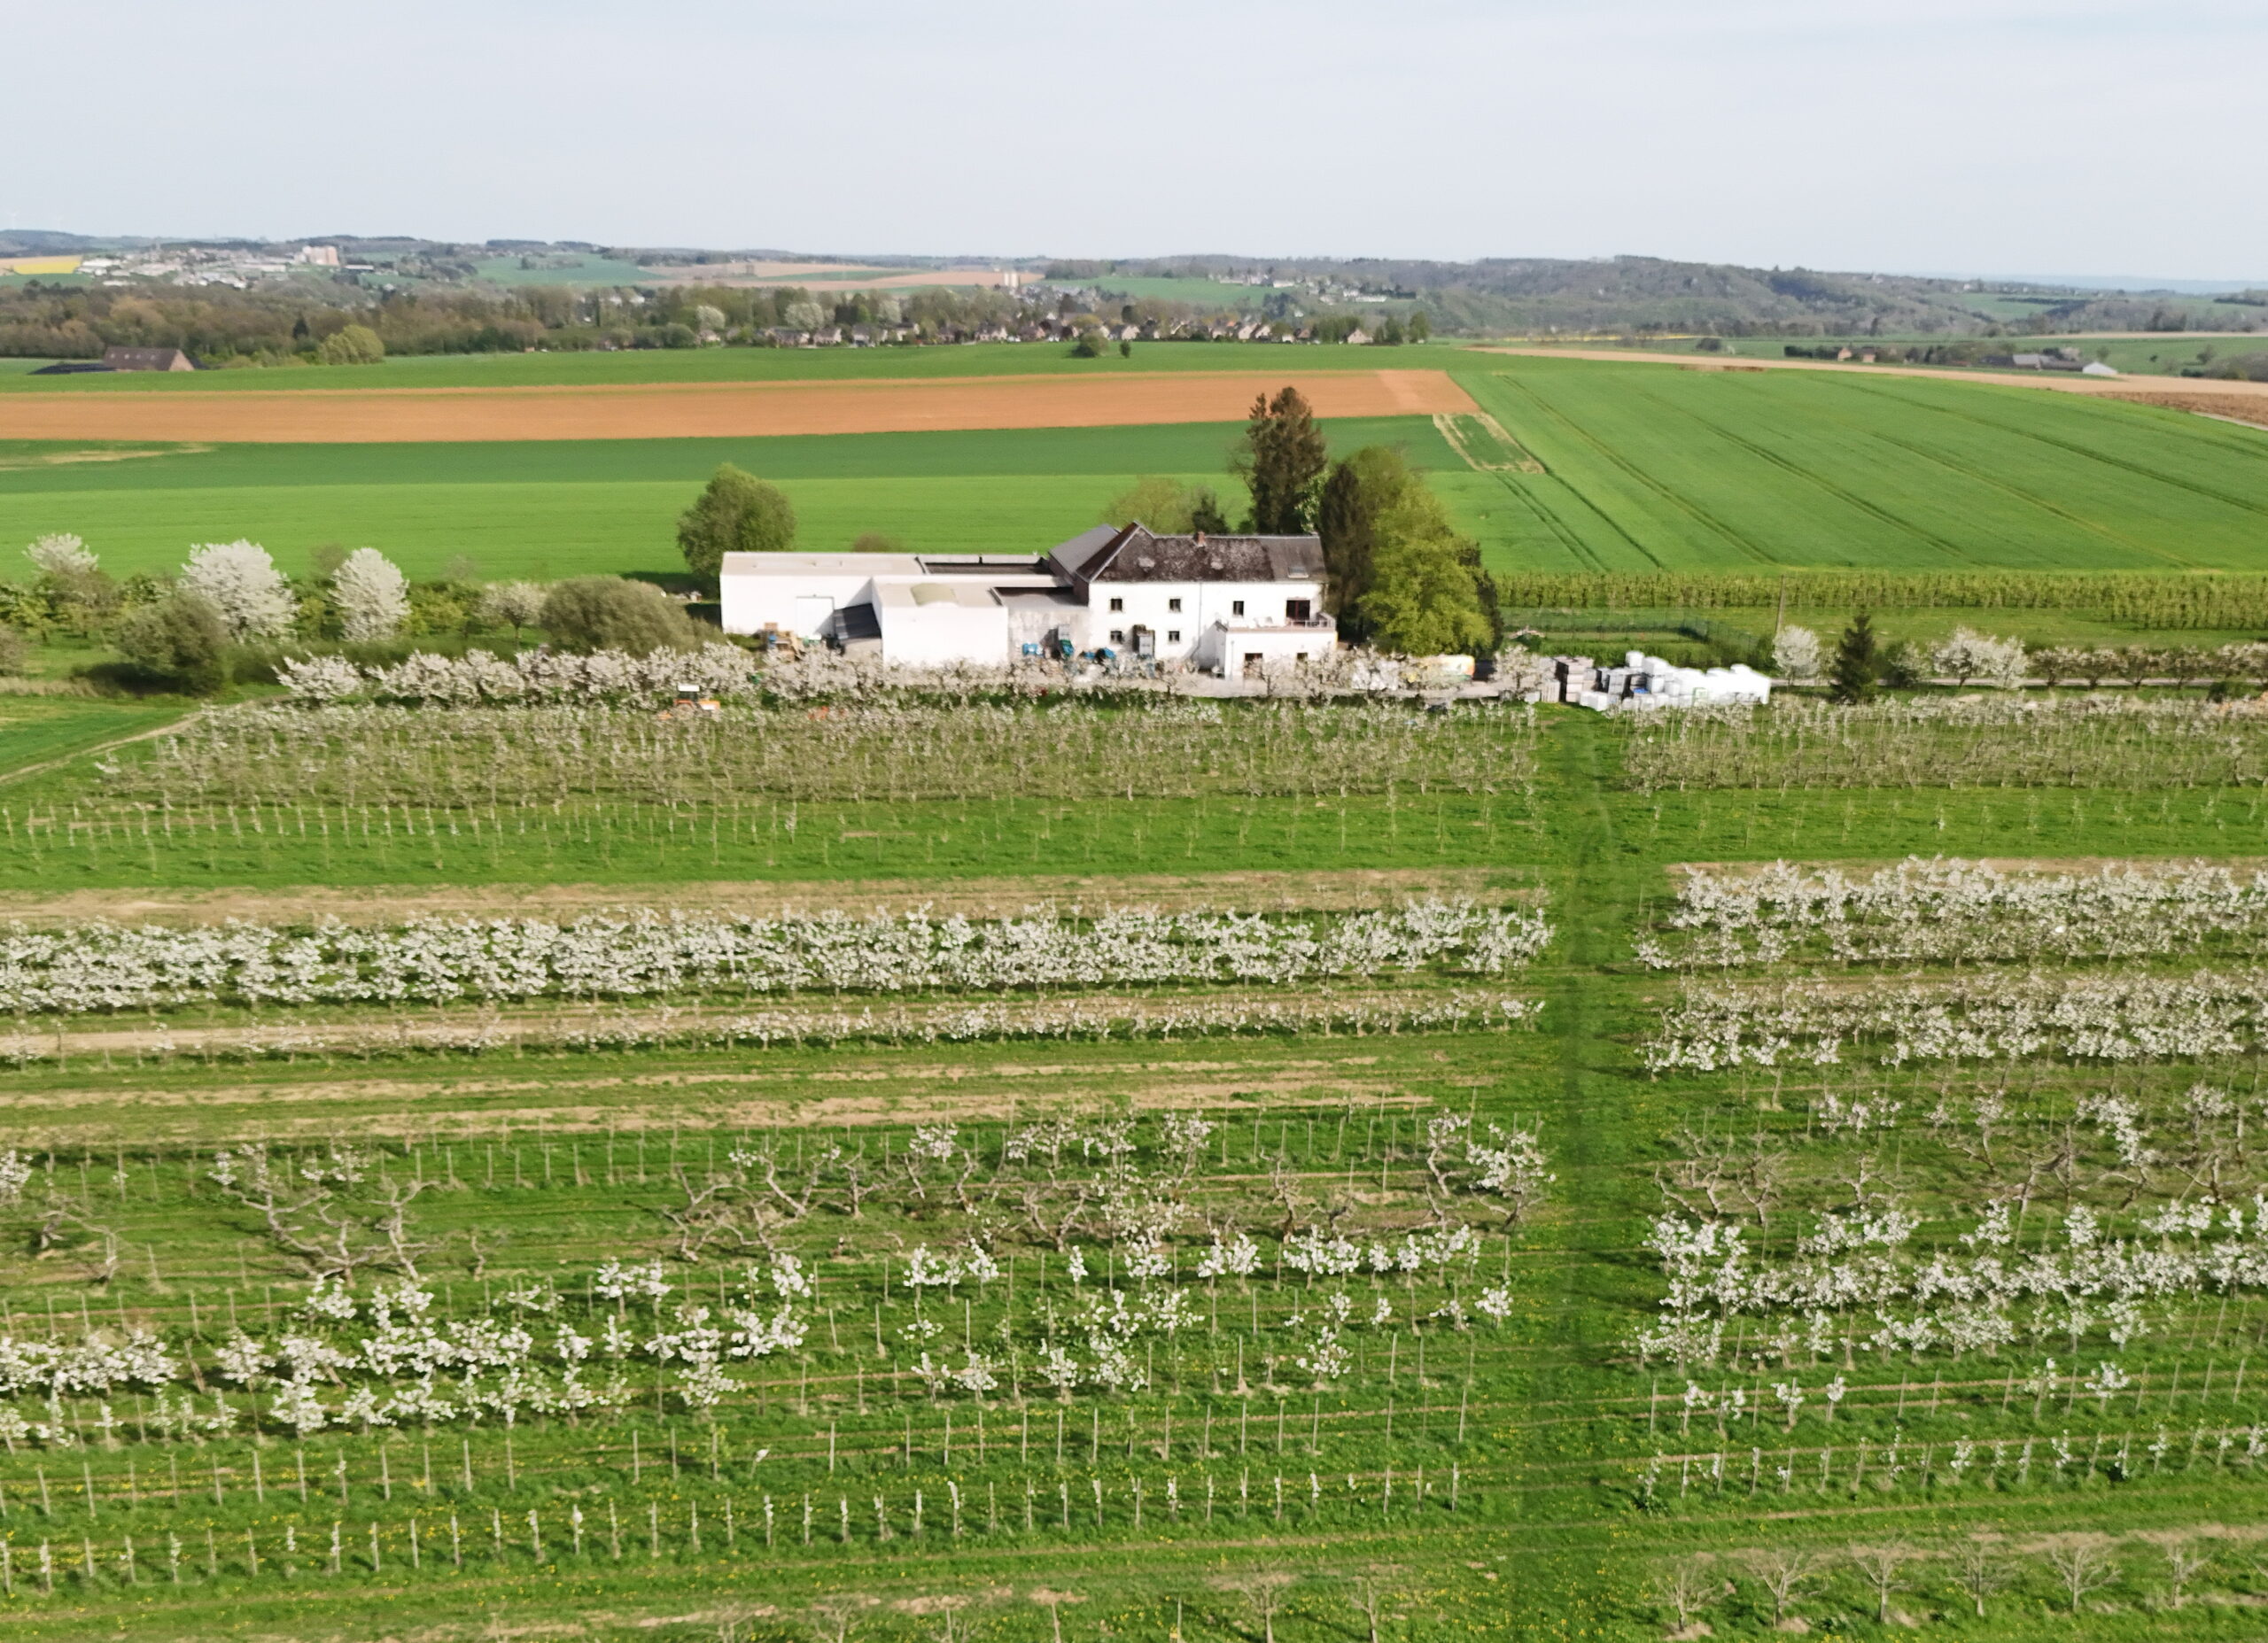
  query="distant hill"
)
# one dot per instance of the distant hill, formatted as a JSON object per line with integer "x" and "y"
{"x": 1492, "y": 296}
{"x": 1538, "y": 294}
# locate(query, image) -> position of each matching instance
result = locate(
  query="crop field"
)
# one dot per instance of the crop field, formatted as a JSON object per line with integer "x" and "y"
{"x": 695, "y": 410}
{"x": 1648, "y": 467}
{"x": 549, "y": 509}
{"x": 1578, "y": 466}
{"x": 636, "y": 367}
{"x": 1564, "y": 1223}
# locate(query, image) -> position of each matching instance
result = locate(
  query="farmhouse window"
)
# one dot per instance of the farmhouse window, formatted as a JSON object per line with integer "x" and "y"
{"x": 1295, "y": 610}
{"x": 1118, "y": 636}
{"x": 1173, "y": 635}
{"x": 1235, "y": 608}
{"x": 1117, "y": 604}
{"x": 1173, "y": 604}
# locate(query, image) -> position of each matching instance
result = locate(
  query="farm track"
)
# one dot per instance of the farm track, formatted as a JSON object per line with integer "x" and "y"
{"x": 986, "y": 897}
{"x": 22, "y": 771}
{"x": 677, "y": 410}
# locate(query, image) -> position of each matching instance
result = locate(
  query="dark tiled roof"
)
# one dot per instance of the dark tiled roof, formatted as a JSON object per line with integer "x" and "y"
{"x": 1135, "y": 554}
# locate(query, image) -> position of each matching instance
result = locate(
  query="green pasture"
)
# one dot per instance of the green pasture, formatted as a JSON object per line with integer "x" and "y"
{"x": 558, "y": 508}
{"x": 1651, "y": 467}
{"x": 734, "y": 365}
{"x": 581, "y": 269}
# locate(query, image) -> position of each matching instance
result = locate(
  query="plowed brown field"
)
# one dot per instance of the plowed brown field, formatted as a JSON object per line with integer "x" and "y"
{"x": 679, "y": 411}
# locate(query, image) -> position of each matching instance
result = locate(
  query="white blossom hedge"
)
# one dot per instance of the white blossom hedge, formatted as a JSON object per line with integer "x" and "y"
{"x": 1958, "y": 911}
{"x": 101, "y": 967}
{"x": 481, "y": 677}
{"x": 2124, "y": 1017}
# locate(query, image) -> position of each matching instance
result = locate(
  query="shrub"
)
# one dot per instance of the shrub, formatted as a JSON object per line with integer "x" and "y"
{"x": 355, "y": 344}
{"x": 593, "y": 612}
{"x": 12, "y": 651}
{"x": 183, "y": 639}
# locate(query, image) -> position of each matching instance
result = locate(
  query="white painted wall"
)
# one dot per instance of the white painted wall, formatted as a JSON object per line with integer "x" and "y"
{"x": 795, "y": 592}
{"x": 1150, "y": 604}
{"x": 1225, "y": 649}
{"x": 942, "y": 632}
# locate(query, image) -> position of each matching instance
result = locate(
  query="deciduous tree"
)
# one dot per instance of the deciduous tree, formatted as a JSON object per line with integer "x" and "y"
{"x": 372, "y": 594}
{"x": 242, "y": 583}
{"x": 736, "y": 513}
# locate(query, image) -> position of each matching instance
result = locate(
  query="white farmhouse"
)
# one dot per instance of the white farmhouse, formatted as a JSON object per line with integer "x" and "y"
{"x": 1233, "y": 605}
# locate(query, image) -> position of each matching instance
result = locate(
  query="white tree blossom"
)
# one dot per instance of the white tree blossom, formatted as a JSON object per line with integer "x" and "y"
{"x": 61, "y": 555}
{"x": 244, "y": 585}
{"x": 1796, "y": 654}
{"x": 372, "y": 594}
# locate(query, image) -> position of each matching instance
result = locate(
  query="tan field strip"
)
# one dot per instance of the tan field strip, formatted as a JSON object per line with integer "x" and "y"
{"x": 2250, "y": 398}
{"x": 687, "y": 410}
{"x": 1336, "y": 889}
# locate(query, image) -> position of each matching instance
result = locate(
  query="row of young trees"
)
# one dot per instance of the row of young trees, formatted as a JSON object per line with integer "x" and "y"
{"x": 229, "y": 595}
{"x": 1861, "y": 662}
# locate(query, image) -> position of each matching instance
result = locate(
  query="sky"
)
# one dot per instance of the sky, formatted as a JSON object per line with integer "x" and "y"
{"x": 1987, "y": 136}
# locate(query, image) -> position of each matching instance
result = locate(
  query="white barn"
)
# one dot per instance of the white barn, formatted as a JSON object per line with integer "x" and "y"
{"x": 1228, "y": 604}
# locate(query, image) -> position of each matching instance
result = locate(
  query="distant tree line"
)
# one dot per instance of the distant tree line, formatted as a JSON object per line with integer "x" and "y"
{"x": 284, "y": 323}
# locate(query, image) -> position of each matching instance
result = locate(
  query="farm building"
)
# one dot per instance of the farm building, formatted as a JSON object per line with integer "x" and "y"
{"x": 1228, "y": 604}
{"x": 147, "y": 360}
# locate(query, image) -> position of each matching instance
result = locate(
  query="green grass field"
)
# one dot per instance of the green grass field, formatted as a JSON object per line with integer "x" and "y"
{"x": 549, "y": 509}
{"x": 1649, "y": 466}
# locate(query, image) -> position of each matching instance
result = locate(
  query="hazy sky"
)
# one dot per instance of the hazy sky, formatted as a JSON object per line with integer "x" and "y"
{"x": 2078, "y": 136}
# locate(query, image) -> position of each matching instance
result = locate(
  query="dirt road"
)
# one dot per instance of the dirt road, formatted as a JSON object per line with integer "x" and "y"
{"x": 682, "y": 410}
